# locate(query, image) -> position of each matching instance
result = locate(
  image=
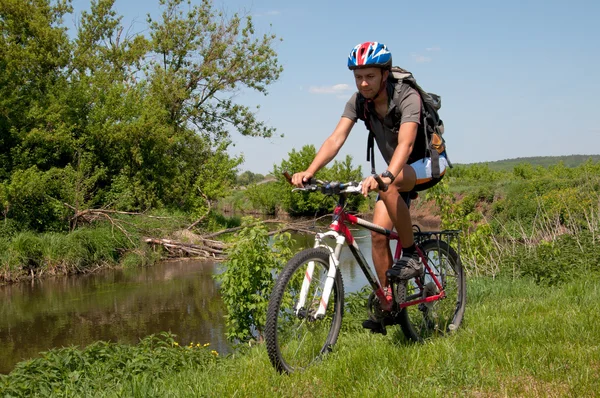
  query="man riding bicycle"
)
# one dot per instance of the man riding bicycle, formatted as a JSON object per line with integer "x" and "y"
{"x": 401, "y": 140}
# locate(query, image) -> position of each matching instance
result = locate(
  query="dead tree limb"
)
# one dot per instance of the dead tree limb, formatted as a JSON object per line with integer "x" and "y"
{"x": 176, "y": 248}
{"x": 205, "y": 215}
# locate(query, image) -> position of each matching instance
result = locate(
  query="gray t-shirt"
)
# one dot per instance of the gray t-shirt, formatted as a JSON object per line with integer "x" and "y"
{"x": 405, "y": 106}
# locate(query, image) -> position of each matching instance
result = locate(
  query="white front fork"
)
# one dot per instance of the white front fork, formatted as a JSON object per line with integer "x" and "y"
{"x": 334, "y": 262}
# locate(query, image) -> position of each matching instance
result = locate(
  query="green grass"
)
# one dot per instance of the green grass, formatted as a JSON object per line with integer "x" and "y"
{"x": 518, "y": 339}
{"x": 53, "y": 253}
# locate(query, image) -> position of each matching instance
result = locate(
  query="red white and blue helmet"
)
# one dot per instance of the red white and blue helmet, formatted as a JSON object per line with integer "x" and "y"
{"x": 368, "y": 55}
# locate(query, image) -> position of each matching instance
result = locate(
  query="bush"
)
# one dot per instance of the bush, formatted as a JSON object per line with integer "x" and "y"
{"x": 556, "y": 262}
{"x": 29, "y": 253}
{"x": 248, "y": 277}
{"x": 102, "y": 366}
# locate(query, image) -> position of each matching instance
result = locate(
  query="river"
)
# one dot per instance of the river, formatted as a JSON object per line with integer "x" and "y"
{"x": 125, "y": 305}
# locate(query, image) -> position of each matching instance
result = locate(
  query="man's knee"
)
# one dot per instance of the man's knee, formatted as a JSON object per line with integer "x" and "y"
{"x": 406, "y": 179}
{"x": 378, "y": 241}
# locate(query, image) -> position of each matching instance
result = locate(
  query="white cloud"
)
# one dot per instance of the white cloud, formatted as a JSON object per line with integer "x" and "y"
{"x": 268, "y": 14}
{"x": 420, "y": 58}
{"x": 335, "y": 89}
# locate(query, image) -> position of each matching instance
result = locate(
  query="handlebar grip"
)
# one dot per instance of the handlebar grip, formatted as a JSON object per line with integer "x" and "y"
{"x": 382, "y": 185}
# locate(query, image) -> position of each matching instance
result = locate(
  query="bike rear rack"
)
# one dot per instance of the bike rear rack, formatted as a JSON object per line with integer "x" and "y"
{"x": 450, "y": 236}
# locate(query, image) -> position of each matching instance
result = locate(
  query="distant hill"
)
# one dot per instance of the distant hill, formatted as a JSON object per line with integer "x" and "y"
{"x": 544, "y": 161}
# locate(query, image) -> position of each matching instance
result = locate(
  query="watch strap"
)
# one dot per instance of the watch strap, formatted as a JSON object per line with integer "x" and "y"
{"x": 389, "y": 175}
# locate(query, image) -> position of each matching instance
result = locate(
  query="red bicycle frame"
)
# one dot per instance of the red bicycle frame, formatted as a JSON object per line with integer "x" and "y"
{"x": 341, "y": 218}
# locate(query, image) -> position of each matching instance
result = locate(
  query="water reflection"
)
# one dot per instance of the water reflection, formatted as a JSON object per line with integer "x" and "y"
{"x": 118, "y": 305}
{"x": 126, "y": 305}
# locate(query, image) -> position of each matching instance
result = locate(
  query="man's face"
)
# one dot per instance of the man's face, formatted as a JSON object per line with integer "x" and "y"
{"x": 368, "y": 81}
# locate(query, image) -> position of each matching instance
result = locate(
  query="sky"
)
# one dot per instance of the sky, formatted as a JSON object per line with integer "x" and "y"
{"x": 517, "y": 78}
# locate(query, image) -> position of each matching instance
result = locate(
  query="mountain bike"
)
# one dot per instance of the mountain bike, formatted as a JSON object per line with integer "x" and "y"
{"x": 306, "y": 306}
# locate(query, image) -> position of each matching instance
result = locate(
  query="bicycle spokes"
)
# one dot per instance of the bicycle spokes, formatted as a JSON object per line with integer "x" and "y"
{"x": 439, "y": 311}
{"x": 300, "y": 327}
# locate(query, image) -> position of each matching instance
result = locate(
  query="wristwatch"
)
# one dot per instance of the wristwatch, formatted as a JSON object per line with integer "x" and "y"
{"x": 389, "y": 175}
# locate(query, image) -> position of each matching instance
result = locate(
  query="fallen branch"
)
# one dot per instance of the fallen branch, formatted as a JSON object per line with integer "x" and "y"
{"x": 177, "y": 248}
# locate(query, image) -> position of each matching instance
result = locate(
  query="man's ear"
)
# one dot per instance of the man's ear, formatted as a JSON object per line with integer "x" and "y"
{"x": 386, "y": 73}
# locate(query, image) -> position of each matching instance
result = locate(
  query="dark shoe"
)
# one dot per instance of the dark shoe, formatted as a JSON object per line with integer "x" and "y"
{"x": 374, "y": 326}
{"x": 407, "y": 268}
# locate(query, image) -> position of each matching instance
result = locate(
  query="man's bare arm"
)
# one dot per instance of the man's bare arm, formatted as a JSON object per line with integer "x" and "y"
{"x": 406, "y": 140}
{"x": 327, "y": 152}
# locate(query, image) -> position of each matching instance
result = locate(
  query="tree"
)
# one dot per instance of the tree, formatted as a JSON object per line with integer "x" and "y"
{"x": 313, "y": 203}
{"x": 124, "y": 120}
{"x": 202, "y": 60}
{"x": 248, "y": 177}
{"x": 34, "y": 50}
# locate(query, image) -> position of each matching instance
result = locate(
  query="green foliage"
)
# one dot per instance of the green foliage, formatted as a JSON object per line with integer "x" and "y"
{"x": 557, "y": 195}
{"x": 248, "y": 276}
{"x": 477, "y": 246}
{"x": 516, "y": 225}
{"x": 247, "y": 177}
{"x": 475, "y": 172}
{"x": 355, "y": 309}
{"x": 267, "y": 198}
{"x": 120, "y": 119}
{"x": 102, "y": 366}
{"x": 33, "y": 199}
{"x": 53, "y": 253}
{"x": 313, "y": 203}
{"x": 508, "y": 165}
{"x": 555, "y": 262}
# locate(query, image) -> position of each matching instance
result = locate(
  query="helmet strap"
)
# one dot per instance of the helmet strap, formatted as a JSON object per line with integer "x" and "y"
{"x": 381, "y": 87}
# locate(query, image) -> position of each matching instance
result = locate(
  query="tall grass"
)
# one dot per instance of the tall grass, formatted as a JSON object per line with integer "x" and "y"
{"x": 546, "y": 248}
{"x": 519, "y": 338}
{"x": 29, "y": 254}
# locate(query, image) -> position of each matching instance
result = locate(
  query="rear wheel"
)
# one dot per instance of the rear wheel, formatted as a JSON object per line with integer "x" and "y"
{"x": 439, "y": 317}
{"x": 293, "y": 336}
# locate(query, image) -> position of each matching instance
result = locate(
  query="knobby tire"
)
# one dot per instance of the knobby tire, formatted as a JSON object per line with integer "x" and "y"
{"x": 295, "y": 342}
{"x": 419, "y": 322}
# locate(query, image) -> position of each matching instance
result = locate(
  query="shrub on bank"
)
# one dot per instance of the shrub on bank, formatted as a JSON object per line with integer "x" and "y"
{"x": 102, "y": 366}
{"x": 30, "y": 254}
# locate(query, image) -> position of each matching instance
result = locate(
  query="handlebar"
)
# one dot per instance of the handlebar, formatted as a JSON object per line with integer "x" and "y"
{"x": 334, "y": 187}
{"x": 382, "y": 185}
{"x": 331, "y": 187}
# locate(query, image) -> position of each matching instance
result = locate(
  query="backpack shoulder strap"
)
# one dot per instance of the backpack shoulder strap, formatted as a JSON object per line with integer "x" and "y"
{"x": 361, "y": 113}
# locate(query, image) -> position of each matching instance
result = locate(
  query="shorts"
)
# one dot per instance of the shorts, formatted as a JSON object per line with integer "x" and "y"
{"x": 422, "y": 169}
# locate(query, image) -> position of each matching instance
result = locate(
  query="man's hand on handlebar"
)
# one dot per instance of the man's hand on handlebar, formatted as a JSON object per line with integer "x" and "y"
{"x": 299, "y": 179}
{"x": 369, "y": 184}
{"x": 375, "y": 183}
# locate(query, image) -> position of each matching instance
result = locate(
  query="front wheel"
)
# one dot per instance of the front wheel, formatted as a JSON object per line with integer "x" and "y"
{"x": 295, "y": 338}
{"x": 421, "y": 321}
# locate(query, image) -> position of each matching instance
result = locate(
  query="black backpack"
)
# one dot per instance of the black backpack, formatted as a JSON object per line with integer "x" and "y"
{"x": 430, "y": 120}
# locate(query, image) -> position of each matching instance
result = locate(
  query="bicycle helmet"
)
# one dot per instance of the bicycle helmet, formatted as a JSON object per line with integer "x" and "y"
{"x": 368, "y": 55}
